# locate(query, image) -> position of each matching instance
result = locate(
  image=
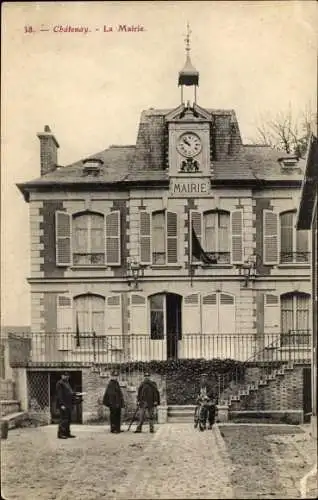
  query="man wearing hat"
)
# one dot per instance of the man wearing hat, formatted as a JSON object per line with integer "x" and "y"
{"x": 114, "y": 400}
{"x": 64, "y": 398}
{"x": 207, "y": 392}
{"x": 148, "y": 398}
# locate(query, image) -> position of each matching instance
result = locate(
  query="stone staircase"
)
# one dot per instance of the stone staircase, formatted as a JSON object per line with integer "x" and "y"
{"x": 235, "y": 392}
{"x": 10, "y": 408}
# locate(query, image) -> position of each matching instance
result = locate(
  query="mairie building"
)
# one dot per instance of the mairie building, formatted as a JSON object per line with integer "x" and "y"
{"x": 182, "y": 245}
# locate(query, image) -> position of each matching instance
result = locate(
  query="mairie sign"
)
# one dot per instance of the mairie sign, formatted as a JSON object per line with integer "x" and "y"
{"x": 187, "y": 187}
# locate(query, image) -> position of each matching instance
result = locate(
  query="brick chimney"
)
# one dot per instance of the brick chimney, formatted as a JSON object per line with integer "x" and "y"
{"x": 48, "y": 150}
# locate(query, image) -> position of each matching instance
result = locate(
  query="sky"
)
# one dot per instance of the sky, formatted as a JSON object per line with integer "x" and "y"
{"x": 257, "y": 58}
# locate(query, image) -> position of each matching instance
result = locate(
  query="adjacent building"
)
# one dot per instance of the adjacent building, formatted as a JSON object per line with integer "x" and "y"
{"x": 307, "y": 220}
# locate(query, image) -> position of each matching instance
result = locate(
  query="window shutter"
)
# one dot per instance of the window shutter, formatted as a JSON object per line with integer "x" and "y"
{"x": 145, "y": 237}
{"x": 64, "y": 322}
{"x": 237, "y": 237}
{"x": 172, "y": 238}
{"x": 191, "y": 314}
{"x": 139, "y": 319}
{"x": 227, "y": 314}
{"x": 270, "y": 237}
{"x": 113, "y": 320}
{"x": 63, "y": 227}
{"x": 113, "y": 257}
{"x": 209, "y": 314}
{"x": 196, "y": 223}
{"x": 271, "y": 320}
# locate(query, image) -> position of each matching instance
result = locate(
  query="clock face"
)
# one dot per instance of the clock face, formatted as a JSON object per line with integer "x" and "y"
{"x": 189, "y": 145}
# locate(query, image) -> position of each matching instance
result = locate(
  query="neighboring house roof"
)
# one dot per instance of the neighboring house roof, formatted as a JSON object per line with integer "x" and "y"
{"x": 5, "y": 330}
{"x": 309, "y": 188}
{"x": 147, "y": 161}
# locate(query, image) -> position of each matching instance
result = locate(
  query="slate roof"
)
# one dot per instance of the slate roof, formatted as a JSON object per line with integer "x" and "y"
{"x": 146, "y": 162}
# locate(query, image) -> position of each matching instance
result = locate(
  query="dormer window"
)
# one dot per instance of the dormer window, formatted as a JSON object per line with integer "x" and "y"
{"x": 289, "y": 162}
{"x": 92, "y": 166}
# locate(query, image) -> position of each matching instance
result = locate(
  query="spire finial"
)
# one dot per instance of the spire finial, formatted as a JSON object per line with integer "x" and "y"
{"x": 187, "y": 38}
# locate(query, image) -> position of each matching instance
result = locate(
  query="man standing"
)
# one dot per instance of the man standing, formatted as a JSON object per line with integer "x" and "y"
{"x": 206, "y": 391}
{"x": 65, "y": 398}
{"x": 114, "y": 400}
{"x": 148, "y": 398}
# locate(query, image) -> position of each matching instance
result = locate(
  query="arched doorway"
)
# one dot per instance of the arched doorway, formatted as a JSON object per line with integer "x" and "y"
{"x": 166, "y": 320}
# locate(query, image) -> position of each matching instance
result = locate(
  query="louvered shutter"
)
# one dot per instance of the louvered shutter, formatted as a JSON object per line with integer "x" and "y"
{"x": 145, "y": 237}
{"x": 196, "y": 224}
{"x": 172, "y": 238}
{"x": 138, "y": 322}
{"x": 237, "y": 237}
{"x": 189, "y": 346}
{"x": 209, "y": 314}
{"x": 191, "y": 314}
{"x": 113, "y": 321}
{"x": 270, "y": 237}
{"x": 227, "y": 313}
{"x": 63, "y": 227}
{"x": 64, "y": 323}
{"x": 113, "y": 257}
{"x": 271, "y": 320}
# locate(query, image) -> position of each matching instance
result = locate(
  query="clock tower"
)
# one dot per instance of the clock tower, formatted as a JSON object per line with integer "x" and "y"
{"x": 189, "y": 131}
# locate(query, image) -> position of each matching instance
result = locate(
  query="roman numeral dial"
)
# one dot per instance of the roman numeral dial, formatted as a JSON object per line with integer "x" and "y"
{"x": 189, "y": 145}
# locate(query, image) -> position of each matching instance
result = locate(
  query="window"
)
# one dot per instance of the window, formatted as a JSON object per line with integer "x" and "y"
{"x": 295, "y": 318}
{"x": 217, "y": 236}
{"x": 220, "y": 235}
{"x": 90, "y": 314}
{"x": 293, "y": 243}
{"x": 157, "y": 327}
{"x": 158, "y": 237}
{"x": 88, "y": 239}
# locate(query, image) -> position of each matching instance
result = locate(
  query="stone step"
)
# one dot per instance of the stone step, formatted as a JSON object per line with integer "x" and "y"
{"x": 8, "y": 406}
{"x": 181, "y": 407}
{"x": 14, "y": 419}
{"x": 180, "y": 419}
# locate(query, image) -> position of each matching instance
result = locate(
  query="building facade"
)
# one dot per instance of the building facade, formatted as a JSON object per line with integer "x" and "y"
{"x": 307, "y": 219}
{"x": 181, "y": 246}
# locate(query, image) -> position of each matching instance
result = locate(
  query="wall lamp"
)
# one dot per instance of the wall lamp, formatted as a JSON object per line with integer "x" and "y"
{"x": 134, "y": 272}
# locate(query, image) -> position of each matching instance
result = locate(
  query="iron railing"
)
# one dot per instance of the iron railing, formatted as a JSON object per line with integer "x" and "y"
{"x": 219, "y": 257}
{"x": 294, "y": 257}
{"x": 68, "y": 347}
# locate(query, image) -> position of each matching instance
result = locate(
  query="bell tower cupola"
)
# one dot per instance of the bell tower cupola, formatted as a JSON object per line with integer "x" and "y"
{"x": 188, "y": 76}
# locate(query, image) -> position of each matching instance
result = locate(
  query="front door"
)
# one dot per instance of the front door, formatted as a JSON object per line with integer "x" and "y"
{"x": 173, "y": 324}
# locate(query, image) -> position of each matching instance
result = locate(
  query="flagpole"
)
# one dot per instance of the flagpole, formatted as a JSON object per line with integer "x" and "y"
{"x": 77, "y": 332}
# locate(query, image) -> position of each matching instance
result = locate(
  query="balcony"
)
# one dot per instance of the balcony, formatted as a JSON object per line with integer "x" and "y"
{"x": 61, "y": 349}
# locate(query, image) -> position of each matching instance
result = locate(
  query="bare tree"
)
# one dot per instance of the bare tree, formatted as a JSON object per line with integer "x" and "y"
{"x": 287, "y": 132}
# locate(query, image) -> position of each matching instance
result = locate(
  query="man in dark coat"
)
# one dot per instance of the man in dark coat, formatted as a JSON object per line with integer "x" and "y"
{"x": 148, "y": 398}
{"x": 207, "y": 391}
{"x": 114, "y": 400}
{"x": 64, "y": 399}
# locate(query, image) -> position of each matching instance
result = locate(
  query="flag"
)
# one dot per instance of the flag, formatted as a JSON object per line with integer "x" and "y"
{"x": 198, "y": 252}
{"x": 77, "y": 332}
